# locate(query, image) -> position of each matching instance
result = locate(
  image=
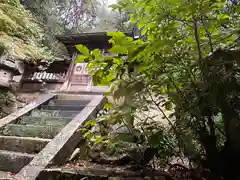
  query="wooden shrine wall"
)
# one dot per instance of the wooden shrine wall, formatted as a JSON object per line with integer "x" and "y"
{"x": 80, "y": 79}
{"x": 80, "y": 75}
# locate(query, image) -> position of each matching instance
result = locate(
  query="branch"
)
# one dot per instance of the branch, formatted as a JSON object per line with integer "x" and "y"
{"x": 180, "y": 59}
{"x": 170, "y": 123}
{"x": 208, "y": 35}
{"x": 196, "y": 36}
{"x": 165, "y": 116}
{"x": 220, "y": 130}
{"x": 188, "y": 22}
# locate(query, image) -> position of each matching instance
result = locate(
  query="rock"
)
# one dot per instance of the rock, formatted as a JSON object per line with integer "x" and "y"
{"x": 93, "y": 171}
{"x": 104, "y": 159}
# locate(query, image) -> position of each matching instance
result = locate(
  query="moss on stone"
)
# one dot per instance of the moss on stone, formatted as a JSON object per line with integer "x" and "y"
{"x": 7, "y": 102}
{"x": 20, "y": 35}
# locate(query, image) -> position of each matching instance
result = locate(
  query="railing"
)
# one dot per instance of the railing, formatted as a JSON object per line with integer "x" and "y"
{"x": 46, "y": 76}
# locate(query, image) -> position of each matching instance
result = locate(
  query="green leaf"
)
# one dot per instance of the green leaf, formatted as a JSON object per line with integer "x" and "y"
{"x": 118, "y": 61}
{"x": 151, "y": 37}
{"x": 90, "y": 123}
{"x": 86, "y": 134}
{"x": 223, "y": 16}
{"x": 152, "y": 25}
{"x": 144, "y": 31}
{"x": 108, "y": 106}
{"x": 98, "y": 140}
{"x": 141, "y": 24}
{"x": 97, "y": 54}
{"x": 117, "y": 49}
{"x": 96, "y": 79}
{"x": 111, "y": 41}
{"x": 109, "y": 78}
{"x": 168, "y": 105}
{"x": 116, "y": 34}
{"x": 80, "y": 59}
{"x": 82, "y": 49}
{"x": 107, "y": 58}
{"x": 83, "y": 129}
{"x": 133, "y": 17}
{"x": 107, "y": 94}
{"x": 142, "y": 68}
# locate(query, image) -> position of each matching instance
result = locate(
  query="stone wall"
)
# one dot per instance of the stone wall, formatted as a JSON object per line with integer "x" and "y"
{"x": 7, "y": 102}
{"x": 11, "y": 102}
{"x": 5, "y": 77}
{"x": 25, "y": 98}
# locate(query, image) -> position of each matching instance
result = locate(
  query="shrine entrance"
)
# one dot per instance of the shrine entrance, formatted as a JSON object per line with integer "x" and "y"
{"x": 80, "y": 78}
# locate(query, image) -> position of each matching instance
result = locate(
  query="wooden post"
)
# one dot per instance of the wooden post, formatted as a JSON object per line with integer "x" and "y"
{"x": 68, "y": 76}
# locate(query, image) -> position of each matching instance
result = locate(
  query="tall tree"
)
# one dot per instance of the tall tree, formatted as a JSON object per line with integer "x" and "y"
{"x": 105, "y": 19}
{"x": 190, "y": 56}
{"x": 62, "y": 17}
{"x": 72, "y": 16}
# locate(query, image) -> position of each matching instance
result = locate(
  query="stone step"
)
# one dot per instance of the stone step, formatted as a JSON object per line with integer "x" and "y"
{"x": 4, "y": 175}
{"x": 13, "y": 161}
{"x": 78, "y": 97}
{"x": 62, "y": 107}
{"x": 101, "y": 172}
{"x": 56, "y": 121}
{"x": 22, "y": 144}
{"x": 31, "y": 130}
{"x": 54, "y": 113}
{"x": 61, "y": 102}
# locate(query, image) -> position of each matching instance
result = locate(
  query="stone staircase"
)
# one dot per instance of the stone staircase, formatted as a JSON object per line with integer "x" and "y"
{"x": 23, "y": 138}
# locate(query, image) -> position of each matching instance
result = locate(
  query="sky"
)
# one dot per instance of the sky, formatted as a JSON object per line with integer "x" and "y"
{"x": 111, "y": 2}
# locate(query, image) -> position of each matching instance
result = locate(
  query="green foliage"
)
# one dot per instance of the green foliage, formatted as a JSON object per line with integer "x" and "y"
{"x": 64, "y": 16}
{"x": 83, "y": 49}
{"x": 189, "y": 57}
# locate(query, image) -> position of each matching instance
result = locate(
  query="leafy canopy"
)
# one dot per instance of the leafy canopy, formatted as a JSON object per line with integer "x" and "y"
{"x": 180, "y": 56}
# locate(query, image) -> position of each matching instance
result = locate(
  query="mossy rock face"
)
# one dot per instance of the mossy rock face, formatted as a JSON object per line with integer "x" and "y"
{"x": 20, "y": 39}
{"x": 7, "y": 102}
{"x": 20, "y": 36}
